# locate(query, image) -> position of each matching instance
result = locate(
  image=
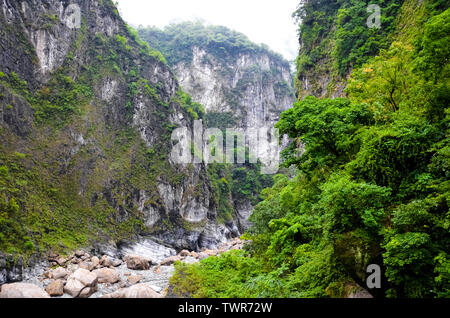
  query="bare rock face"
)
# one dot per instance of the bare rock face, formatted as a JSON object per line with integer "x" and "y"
{"x": 136, "y": 291}
{"x": 81, "y": 283}
{"x": 22, "y": 290}
{"x": 55, "y": 288}
{"x": 107, "y": 275}
{"x": 137, "y": 262}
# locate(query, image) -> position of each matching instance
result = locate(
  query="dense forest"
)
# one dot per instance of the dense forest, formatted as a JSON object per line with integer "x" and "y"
{"x": 372, "y": 184}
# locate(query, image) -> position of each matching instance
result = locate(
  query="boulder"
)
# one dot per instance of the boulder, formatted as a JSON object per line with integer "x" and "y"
{"x": 137, "y": 262}
{"x": 170, "y": 260}
{"x": 82, "y": 283}
{"x": 190, "y": 260}
{"x": 134, "y": 279}
{"x": 73, "y": 287}
{"x": 52, "y": 256}
{"x": 210, "y": 252}
{"x": 194, "y": 254}
{"x": 79, "y": 253}
{"x": 116, "y": 263}
{"x": 59, "y": 273}
{"x": 184, "y": 253}
{"x": 106, "y": 261}
{"x": 61, "y": 261}
{"x": 83, "y": 265}
{"x": 107, "y": 275}
{"x": 95, "y": 261}
{"x": 22, "y": 290}
{"x": 135, "y": 291}
{"x": 87, "y": 278}
{"x": 87, "y": 292}
{"x": 55, "y": 288}
{"x": 47, "y": 274}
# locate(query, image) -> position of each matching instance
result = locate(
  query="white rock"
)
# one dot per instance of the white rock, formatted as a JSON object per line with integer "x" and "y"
{"x": 22, "y": 290}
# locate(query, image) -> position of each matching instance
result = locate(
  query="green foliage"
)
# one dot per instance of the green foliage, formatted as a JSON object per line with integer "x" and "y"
{"x": 434, "y": 50}
{"x": 60, "y": 98}
{"x": 339, "y": 27}
{"x": 329, "y": 129}
{"x": 194, "y": 109}
{"x": 373, "y": 171}
{"x": 221, "y": 277}
{"x": 59, "y": 195}
{"x": 354, "y": 40}
{"x": 408, "y": 256}
{"x": 177, "y": 40}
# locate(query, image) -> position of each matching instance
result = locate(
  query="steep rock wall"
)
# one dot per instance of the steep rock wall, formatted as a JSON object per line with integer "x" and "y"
{"x": 86, "y": 115}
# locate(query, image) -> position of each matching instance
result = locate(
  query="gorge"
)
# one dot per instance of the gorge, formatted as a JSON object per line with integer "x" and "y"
{"x": 86, "y": 116}
{"x": 93, "y": 205}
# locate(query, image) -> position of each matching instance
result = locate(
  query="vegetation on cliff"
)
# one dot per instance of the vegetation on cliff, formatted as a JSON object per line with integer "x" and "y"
{"x": 234, "y": 186}
{"x": 177, "y": 40}
{"x": 72, "y": 165}
{"x": 372, "y": 184}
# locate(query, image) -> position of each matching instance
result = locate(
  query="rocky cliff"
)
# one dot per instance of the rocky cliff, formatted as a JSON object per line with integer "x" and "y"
{"x": 86, "y": 115}
{"x": 240, "y": 84}
{"x": 226, "y": 73}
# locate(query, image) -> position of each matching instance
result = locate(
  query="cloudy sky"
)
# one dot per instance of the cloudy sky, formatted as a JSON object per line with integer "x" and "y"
{"x": 263, "y": 21}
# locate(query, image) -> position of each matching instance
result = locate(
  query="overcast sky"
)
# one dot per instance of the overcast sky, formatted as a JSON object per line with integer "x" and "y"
{"x": 263, "y": 21}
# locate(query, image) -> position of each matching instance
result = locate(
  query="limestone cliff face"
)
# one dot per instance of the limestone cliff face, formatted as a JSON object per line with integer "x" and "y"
{"x": 255, "y": 88}
{"x": 90, "y": 110}
{"x": 252, "y": 88}
{"x": 239, "y": 83}
{"x": 225, "y": 72}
